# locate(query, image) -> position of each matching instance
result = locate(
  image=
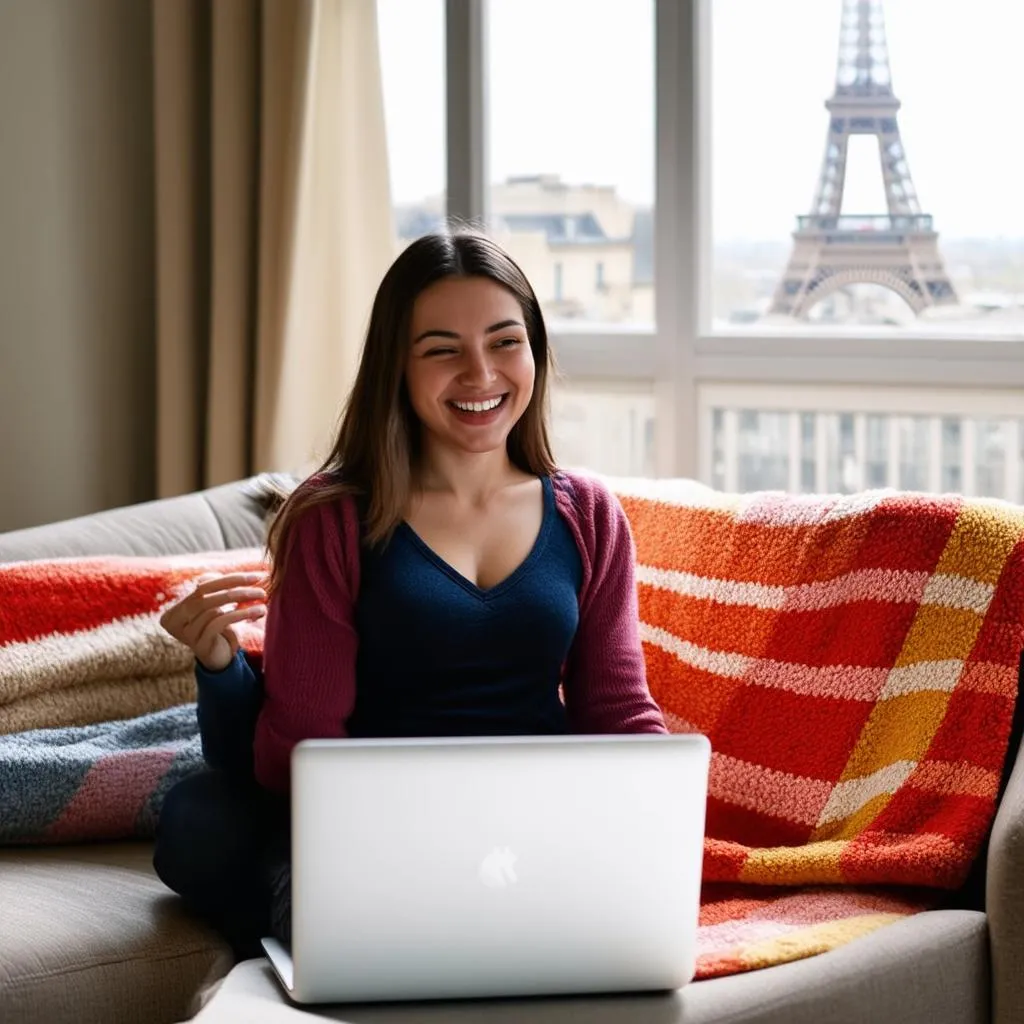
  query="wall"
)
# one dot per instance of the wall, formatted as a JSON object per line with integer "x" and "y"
{"x": 76, "y": 258}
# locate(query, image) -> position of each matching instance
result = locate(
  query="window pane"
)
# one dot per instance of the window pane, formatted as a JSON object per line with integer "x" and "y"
{"x": 912, "y": 432}
{"x": 896, "y": 228}
{"x": 952, "y": 455}
{"x": 990, "y": 456}
{"x": 571, "y": 130}
{"x": 606, "y": 429}
{"x": 843, "y": 471}
{"x": 876, "y": 453}
{"x": 808, "y": 432}
{"x": 411, "y": 34}
{"x": 762, "y": 453}
{"x": 718, "y": 449}
{"x": 783, "y": 441}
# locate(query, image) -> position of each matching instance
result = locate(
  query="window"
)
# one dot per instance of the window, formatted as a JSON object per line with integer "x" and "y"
{"x": 412, "y": 57}
{"x": 764, "y": 439}
{"x": 892, "y": 230}
{"x": 808, "y": 451}
{"x": 952, "y": 455}
{"x": 876, "y": 454}
{"x": 571, "y": 160}
{"x": 912, "y": 443}
{"x": 605, "y": 426}
{"x": 842, "y": 469}
{"x": 762, "y": 450}
{"x": 667, "y": 339}
{"x": 993, "y": 440}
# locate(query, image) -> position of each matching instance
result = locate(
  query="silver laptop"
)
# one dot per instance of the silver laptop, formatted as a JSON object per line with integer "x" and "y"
{"x": 467, "y": 868}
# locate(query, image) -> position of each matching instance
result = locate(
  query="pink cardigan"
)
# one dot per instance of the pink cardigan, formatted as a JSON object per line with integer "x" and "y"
{"x": 309, "y": 654}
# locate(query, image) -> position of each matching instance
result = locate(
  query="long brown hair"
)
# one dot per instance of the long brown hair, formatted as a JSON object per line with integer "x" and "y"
{"x": 377, "y": 446}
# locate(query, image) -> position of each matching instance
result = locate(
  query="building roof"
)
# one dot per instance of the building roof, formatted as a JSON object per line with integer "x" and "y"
{"x": 557, "y": 227}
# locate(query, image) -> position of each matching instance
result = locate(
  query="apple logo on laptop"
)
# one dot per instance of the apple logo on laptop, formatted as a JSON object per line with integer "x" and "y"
{"x": 498, "y": 868}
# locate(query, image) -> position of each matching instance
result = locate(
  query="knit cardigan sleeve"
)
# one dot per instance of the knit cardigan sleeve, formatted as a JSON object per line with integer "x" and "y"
{"x": 605, "y": 680}
{"x": 310, "y": 644}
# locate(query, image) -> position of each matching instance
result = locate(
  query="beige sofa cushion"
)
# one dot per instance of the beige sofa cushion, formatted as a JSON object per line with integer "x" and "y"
{"x": 931, "y": 968}
{"x": 90, "y": 934}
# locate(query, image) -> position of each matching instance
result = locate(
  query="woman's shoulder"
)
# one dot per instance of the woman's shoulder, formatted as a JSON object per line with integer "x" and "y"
{"x": 588, "y": 491}
{"x": 326, "y": 508}
{"x": 587, "y": 500}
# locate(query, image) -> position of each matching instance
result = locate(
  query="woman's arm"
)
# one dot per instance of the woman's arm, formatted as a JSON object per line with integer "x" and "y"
{"x": 605, "y": 677}
{"x": 227, "y": 705}
{"x": 309, "y": 651}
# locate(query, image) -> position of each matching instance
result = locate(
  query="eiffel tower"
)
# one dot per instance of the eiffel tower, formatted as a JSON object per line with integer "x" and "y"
{"x": 898, "y": 249}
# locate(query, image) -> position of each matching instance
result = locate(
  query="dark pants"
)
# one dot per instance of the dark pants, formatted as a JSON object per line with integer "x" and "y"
{"x": 223, "y": 846}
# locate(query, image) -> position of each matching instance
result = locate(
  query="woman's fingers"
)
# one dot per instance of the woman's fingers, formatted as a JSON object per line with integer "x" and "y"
{"x": 238, "y": 595}
{"x": 189, "y": 608}
{"x": 218, "y": 632}
{"x": 212, "y": 621}
{"x": 214, "y": 584}
{"x": 231, "y": 635}
{"x": 186, "y": 619}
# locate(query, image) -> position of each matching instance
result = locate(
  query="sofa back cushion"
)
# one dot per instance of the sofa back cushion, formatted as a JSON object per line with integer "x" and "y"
{"x": 230, "y": 516}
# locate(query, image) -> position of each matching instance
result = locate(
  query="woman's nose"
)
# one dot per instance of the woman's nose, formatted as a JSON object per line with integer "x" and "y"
{"x": 478, "y": 369}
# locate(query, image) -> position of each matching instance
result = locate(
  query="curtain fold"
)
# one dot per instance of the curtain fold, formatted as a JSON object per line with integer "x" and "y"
{"x": 273, "y": 228}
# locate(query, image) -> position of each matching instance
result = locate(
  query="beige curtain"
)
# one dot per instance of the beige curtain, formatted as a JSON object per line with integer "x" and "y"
{"x": 273, "y": 228}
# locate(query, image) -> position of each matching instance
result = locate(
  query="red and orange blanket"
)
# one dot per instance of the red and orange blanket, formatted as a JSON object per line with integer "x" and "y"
{"x": 854, "y": 661}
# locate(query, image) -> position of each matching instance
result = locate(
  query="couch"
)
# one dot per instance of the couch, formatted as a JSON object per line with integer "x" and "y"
{"x": 89, "y": 934}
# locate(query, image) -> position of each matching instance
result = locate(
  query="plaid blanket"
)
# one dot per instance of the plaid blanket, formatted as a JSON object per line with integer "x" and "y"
{"x": 852, "y": 659}
{"x": 854, "y": 662}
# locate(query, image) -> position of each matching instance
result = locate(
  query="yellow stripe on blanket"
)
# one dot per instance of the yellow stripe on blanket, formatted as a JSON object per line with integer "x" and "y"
{"x": 812, "y": 939}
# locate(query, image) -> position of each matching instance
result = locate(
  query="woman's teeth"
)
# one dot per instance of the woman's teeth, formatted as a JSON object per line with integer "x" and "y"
{"x": 479, "y": 406}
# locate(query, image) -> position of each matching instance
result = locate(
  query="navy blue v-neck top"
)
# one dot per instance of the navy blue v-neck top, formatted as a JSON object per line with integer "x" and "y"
{"x": 440, "y": 656}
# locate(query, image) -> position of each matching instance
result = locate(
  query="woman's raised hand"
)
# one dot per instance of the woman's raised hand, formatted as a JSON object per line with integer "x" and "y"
{"x": 204, "y": 618}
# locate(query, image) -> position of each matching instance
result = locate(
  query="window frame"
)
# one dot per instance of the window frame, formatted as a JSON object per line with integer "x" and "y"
{"x": 681, "y": 352}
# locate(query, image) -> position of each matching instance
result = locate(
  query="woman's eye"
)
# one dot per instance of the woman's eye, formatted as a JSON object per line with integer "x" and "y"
{"x": 508, "y": 342}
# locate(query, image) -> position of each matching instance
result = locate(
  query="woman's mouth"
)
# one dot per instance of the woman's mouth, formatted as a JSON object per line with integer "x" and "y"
{"x": 486, "y": 405}
{"x": 478, "y": 411}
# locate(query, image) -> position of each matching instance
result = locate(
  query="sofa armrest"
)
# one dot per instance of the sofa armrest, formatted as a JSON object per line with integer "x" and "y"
{"x": 1004, "y": 899}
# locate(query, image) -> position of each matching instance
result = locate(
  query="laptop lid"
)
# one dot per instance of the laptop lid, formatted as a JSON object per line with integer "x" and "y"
{"x": 450, "y": 868}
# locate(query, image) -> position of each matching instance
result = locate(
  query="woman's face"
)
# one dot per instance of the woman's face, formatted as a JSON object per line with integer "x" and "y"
{"x": 470, "y": 370}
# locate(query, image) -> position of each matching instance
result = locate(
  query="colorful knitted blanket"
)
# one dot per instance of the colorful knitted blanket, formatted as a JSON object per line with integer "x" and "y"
{"x": 852, "y": 659}
{"x": 96, "y": 719}
{"x": 854, "y": 662}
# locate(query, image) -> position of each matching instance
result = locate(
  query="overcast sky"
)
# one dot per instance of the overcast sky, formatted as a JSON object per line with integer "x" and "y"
{"x": 571, "y": 93}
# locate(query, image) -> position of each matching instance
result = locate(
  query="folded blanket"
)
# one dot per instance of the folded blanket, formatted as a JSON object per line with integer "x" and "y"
{"x": 80, "y": 640}
{"x": 103, "y": 781}
{"x": 854, "y": 662}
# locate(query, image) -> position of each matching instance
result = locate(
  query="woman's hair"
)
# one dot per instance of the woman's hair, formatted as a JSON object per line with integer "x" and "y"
{"x": 376, "y": 451}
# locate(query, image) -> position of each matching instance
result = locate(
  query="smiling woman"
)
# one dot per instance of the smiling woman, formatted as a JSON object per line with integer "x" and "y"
{"x": 439, "y": 514}
{"x": 430, "y": 343}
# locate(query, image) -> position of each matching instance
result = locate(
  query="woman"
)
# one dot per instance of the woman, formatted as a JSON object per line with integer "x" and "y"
{"x": 438, "y": 576}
